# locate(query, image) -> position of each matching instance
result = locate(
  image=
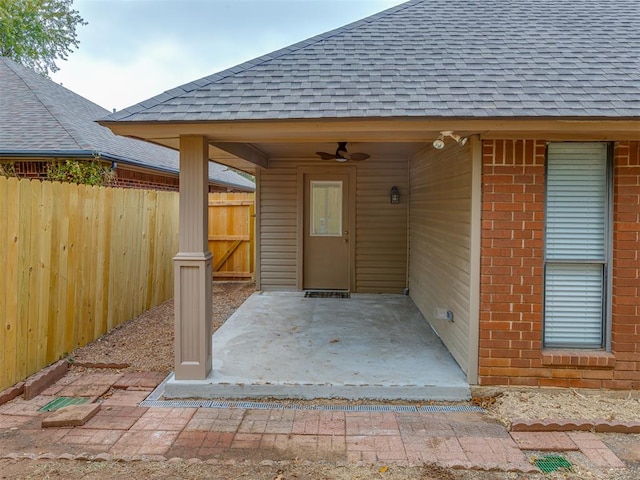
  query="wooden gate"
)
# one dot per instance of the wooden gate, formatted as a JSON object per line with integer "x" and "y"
{"x": 232, "y": 235}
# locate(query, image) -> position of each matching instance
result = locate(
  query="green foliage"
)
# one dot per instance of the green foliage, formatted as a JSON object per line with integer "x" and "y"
{"x": 80, "y": 171}
{"x": 246, "y": 175}
{"x": 35, "y": 33}
{"x": 8, "y": 169}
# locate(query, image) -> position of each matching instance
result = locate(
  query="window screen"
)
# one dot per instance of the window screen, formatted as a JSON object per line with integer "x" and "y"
{"x": 576, "y": 244}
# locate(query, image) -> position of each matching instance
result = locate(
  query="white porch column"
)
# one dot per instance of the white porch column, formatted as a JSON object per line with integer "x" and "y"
{"x": 192, "y": 264}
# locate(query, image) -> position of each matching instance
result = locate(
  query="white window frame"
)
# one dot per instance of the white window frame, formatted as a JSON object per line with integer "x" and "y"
{"x": 312, "y": 224}
{"x": 574, "y": 259}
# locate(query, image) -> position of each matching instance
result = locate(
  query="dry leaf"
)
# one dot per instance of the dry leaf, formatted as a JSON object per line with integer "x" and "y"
{"x": 383, "y": 469}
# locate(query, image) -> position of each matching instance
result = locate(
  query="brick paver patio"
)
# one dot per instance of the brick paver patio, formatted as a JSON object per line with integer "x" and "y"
{"x": 123, "y": 430}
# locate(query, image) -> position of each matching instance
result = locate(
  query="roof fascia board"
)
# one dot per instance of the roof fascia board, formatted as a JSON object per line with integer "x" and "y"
{"x": 244, "y": 151}
{"x": 377, "y": 130}
{"x": 215, "y": 154}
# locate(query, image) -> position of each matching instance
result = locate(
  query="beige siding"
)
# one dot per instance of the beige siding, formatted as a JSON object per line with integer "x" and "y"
{"x": 440, "y": 230}
{"x": 277, "y": 229}
{"x": 381, "y": 228}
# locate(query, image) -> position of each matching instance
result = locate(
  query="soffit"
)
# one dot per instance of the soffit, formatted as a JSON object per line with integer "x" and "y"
{"x": 256, "y": 142}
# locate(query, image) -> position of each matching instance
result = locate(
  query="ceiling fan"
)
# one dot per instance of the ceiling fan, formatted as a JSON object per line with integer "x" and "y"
{"x": 342, "y": 155}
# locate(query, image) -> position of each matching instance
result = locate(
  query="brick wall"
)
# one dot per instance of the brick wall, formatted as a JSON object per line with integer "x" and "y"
{"x": 31, "y": 169}
{"x": 512, "y": 275}
{"x": 625, "y": 340}
{"x": 124, "y": 178}
{"x": 133, "y": 179}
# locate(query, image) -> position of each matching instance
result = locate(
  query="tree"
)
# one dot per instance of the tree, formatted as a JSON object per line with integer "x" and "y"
{"x": 36, "y": 33}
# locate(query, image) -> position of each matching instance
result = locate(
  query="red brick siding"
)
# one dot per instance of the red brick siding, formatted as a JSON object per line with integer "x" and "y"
{"x": 133, "y": 179}
{"x": 125, "y": 178}
{"x": 31, "y": 169}
{"x": 512, "y": 275}
{"x": 625, "y": 337}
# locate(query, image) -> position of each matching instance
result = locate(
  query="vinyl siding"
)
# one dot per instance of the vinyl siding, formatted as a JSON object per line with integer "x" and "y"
{"x": 439, "y": 232}
{"x": 381, "y": 228}
{"x": 277, "y": 229}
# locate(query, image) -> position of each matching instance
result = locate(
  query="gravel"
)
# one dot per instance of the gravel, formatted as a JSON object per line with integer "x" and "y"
{"x": 145, "y": 343}
{"x": 567, "y": 405}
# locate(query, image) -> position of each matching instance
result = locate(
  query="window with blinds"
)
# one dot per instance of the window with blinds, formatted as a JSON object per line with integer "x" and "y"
{"x": 576, "y": 245}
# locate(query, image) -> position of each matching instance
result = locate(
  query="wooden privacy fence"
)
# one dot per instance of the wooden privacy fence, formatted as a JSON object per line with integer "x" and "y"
{"x": 77, "y": 261}
{"x": 232, "y": 234}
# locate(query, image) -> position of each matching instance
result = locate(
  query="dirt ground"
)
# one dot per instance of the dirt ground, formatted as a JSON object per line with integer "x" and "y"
{"x": 242, "y": 470}
{"x": 565, "y": 404}
{"x": 295, "y": 470}
{"x": 146, "y": 344}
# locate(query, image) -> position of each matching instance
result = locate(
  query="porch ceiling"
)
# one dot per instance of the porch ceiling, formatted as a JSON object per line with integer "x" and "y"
{"x": 249, "y": 145}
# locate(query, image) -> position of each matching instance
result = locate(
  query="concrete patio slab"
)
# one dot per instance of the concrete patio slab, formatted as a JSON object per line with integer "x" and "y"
{"x": 282, "y": 345}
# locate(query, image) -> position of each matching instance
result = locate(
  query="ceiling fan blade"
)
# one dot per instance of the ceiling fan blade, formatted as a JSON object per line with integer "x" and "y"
{"x": 359, "y": 156}
{"x": 326, "y": 156}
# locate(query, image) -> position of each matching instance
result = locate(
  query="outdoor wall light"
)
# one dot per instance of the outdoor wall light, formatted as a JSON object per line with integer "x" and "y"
{"x": 459, "y": 140}
{"x": 438, "y": 143}
{"x": 394, "y": 195}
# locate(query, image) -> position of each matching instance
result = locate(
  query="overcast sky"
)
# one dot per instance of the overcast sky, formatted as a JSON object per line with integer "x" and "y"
{"x": 132, "y": 50}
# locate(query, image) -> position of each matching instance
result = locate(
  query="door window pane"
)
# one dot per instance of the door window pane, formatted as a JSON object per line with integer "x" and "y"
{"x": 326, "y": 209}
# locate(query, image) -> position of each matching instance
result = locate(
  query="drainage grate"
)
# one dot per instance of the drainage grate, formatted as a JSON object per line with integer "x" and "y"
{"x": 256, "y": 405}
{"x": 60, "y": 402}
{"x": 450, "y": 408}
{"x": 176, "y": 403}
{"x": 327, "y": 294}
{"x": 551, "y": 463}
{"x": 295, "y": 406}
{"x": 370, "y": 408}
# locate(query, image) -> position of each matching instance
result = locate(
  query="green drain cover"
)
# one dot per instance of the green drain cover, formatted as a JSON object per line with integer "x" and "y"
{"x": 552, "y": 463}
{"x": 60, "y": 402}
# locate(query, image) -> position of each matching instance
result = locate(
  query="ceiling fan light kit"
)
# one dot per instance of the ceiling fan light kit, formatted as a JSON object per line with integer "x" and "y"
{"x": 342, "y": 155}
{"x": 438, "y": 143}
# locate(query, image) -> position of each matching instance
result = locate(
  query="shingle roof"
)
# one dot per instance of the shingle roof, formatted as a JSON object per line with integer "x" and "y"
{"x": 434, "y": 58}
{"x": 38, "y": 115}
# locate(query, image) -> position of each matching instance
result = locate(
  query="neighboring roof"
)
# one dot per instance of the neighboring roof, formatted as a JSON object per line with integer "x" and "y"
{"x": 38, "y": 117}
{"x": 434, "y": 58}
